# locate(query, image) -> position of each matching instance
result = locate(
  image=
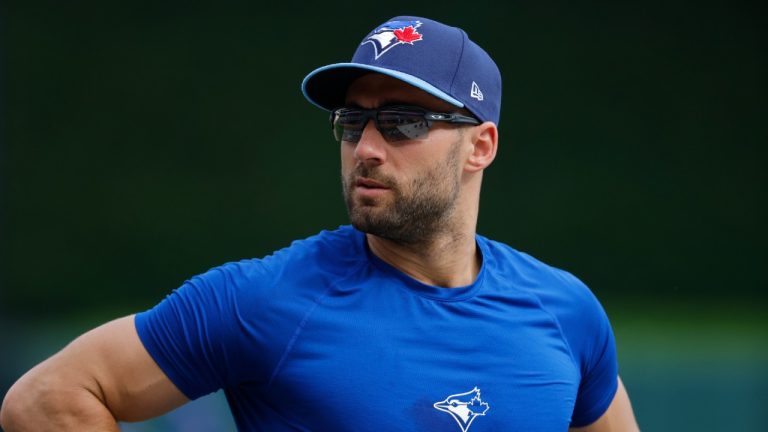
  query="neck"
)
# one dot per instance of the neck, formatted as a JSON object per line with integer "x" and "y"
{"x": 449, "y": 259}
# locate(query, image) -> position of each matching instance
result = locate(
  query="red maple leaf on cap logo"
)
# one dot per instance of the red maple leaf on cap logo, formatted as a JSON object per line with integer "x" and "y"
{"x": 407, "y": 35}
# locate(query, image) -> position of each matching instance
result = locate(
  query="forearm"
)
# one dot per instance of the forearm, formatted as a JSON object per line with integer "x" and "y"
{"x": 38, "y": 403}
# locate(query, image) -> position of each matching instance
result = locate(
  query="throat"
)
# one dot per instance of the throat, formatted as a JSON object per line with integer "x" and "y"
{"x": 450, "y": 263}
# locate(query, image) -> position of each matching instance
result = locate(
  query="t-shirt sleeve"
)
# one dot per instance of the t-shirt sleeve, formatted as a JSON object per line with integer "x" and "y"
{"x": 588, "y": 332}
{"x": 193, "y": 333}
{"x": 599, "y": 370}
{"x": 592, "y": 344}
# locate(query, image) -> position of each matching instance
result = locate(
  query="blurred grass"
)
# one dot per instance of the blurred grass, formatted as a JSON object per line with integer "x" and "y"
{"x": 695, "y": 367}
{"x": 711, "y": 331}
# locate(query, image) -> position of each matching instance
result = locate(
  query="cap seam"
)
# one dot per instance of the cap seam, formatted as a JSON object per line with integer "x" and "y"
{"x": 458, "y": 64}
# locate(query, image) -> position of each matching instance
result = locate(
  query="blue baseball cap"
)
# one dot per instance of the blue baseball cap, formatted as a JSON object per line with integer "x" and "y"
{"x": 434, "y": 57}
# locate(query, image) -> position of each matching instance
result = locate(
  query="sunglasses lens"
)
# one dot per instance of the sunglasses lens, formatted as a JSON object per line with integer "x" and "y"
{"x": 401, "y": 125}
{"x": 394, "y": 124}
{"x": 348, "y": 125}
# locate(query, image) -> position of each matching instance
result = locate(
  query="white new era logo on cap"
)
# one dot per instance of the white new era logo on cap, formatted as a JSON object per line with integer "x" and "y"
{"x": 476, "y": 93}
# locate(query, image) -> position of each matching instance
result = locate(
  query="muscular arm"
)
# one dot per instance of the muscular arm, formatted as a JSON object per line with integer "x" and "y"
{"x": 617, "y": 418}
{"x": 102, "y": 377}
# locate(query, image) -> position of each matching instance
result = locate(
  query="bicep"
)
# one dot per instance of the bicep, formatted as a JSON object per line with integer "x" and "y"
{"x": 111, "y": 362}
{"x": 619, "y": 416}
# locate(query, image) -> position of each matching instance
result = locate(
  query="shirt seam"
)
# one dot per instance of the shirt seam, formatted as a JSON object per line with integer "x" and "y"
{"x": 559, "y": 330}
{"x": 303, "y": 323}
{"x": 478, "y": 285}
{"x": 473, "y": 292}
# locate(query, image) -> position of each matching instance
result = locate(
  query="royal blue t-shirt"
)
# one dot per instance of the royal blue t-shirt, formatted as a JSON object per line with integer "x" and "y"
{"x": 323, "y": 335}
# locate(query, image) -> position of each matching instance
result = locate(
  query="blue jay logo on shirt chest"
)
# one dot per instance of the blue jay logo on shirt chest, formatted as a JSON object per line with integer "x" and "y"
{"x": 464, "y": 407}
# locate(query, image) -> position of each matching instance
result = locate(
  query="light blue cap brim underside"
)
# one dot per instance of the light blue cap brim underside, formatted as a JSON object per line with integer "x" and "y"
{"x": 410, "y": 79}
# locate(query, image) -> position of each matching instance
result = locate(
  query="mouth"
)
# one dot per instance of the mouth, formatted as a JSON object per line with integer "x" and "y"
{"x": 369, "y": 190}
{"x": 367, "y": 183}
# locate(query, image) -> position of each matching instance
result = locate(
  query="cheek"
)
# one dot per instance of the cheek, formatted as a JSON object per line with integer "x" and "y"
{"x": 347, "y": 157}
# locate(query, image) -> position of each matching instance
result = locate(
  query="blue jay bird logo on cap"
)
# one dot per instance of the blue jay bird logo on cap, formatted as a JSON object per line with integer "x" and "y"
{"x": 464, "y": 407}
{"x": 393, "y": 33}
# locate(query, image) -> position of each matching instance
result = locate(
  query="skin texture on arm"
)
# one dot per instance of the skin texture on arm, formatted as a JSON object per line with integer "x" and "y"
{"x": 104, "y": 376}
{"x": 617, "y": 418}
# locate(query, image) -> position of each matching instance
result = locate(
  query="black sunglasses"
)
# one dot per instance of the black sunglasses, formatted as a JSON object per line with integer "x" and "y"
{"x": 394, "y": 123}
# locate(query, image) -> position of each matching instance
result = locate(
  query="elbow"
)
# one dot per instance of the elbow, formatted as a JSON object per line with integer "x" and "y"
{"x": 46, "y": 401}
{"x": 24, "y": 403}
{"x": 12, "y": 409}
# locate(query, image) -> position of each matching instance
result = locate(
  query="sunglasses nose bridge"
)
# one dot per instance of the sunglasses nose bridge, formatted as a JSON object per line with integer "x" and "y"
{"x": 368, "y": 116}
{"x": 370, "y": 127}
{"x": 370, "y": 147}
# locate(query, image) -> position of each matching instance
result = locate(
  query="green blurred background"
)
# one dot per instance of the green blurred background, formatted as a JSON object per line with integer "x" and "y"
{"x": 143, "y": 143}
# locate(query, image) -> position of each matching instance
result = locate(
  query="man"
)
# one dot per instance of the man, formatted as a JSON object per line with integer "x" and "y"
{"x": 406, "y": 320}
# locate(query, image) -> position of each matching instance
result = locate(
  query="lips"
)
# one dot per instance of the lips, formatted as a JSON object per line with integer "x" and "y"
{"x": 369, "y": 183}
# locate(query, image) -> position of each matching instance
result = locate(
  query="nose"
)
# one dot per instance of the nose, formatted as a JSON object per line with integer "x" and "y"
{"x": 371, "y": 149}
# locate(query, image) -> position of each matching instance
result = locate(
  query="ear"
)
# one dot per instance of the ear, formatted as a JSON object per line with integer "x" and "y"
{"x": 485, "y": 142}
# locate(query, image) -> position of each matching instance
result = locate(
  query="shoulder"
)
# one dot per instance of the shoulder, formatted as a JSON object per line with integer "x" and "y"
{"x": 538, "y": 278}
{"x": 327, "y": 249}
{"x": 328, "y": 254}
{"x": 565, "y": 297}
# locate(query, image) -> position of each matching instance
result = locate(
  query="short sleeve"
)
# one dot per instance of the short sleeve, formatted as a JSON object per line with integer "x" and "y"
{"x": 193, "y": 334}
{"x": 591, "y": 339}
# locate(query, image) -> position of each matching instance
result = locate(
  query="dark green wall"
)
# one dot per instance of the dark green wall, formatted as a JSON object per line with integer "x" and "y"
{"x": 146, "y": 143}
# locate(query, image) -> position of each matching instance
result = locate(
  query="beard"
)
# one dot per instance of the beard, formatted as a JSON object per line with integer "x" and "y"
{"x": 419, "y": 209}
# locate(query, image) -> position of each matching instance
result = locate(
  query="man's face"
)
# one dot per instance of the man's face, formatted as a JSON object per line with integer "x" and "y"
{"x": 404, "y": 191}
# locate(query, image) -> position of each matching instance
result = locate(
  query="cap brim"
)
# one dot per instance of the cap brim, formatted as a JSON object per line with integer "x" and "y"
{"x": 327, "y": 86}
